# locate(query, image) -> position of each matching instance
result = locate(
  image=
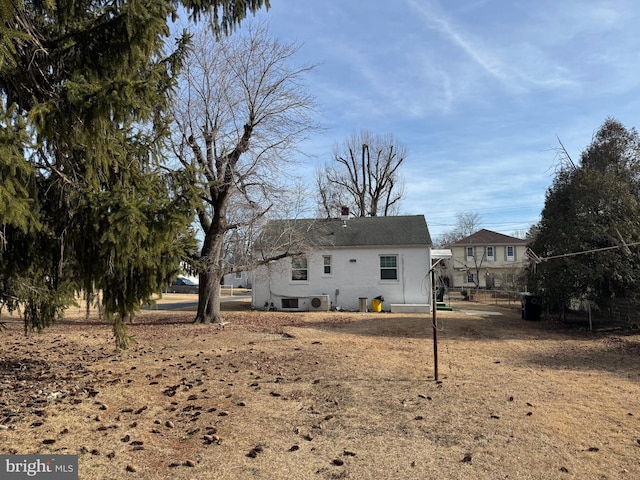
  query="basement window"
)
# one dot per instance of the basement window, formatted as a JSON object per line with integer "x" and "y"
{"x": 289, "y": 303}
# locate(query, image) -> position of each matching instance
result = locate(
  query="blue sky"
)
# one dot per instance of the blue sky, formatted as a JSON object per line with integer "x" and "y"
{"x": 479, "y": 91}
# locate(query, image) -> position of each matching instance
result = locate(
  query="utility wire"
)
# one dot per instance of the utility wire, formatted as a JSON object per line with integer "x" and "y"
{"x": 624, "y": 247}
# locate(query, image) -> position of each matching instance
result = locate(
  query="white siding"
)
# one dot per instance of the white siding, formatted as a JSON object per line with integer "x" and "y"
{"x": 355, "y": 273}
{"x": 243, "y": 280}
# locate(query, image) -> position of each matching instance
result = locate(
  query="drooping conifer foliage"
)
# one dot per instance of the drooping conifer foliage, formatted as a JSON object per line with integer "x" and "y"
{"x": 84, "y": 208}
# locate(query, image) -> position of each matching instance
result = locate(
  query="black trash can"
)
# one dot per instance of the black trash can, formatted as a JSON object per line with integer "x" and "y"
{"x": 531, "y": 306}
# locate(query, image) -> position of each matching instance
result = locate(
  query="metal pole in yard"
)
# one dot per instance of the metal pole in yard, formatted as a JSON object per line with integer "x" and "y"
{"x": 434, "y": 323}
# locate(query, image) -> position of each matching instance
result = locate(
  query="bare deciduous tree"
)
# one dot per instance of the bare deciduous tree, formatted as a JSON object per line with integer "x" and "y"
{"x": 479, "y": 257}
{"x": 363, "y": 175}
{"x": 240, "y": 110}
{"x": 466, "y": 224}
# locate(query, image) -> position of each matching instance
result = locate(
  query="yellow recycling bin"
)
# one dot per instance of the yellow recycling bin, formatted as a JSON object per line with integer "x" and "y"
{"x": 376, "y": 304}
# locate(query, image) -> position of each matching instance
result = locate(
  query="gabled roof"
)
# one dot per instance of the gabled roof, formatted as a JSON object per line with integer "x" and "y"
{"x": 488, "y": 237}
{"x": 409, "y": 230}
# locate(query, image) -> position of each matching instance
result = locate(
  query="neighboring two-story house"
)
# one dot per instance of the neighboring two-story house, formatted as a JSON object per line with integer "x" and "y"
{"x": 487, "y": 259}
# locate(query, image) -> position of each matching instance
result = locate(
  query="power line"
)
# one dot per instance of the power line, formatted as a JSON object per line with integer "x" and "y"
{"x": 486, "y": 224}
{"x": 526, "y": 206}
{"x": 624, "y": 247}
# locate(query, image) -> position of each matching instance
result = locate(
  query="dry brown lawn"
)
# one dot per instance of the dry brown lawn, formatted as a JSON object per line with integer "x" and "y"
{"x": 326, "y": 396}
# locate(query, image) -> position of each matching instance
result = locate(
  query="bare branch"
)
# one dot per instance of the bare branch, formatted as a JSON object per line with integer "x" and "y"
{"x": 564, "y": 154}
{"x": 366, "y": 173}
{"x": 241, "y": 109}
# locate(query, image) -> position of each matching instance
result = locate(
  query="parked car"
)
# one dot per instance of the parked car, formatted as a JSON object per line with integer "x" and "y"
{"x": 182, "y": 285}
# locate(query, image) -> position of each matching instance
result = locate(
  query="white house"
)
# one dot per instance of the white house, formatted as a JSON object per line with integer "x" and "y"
{"x": 237, "y": 280}
{"x": 342, "y": 262}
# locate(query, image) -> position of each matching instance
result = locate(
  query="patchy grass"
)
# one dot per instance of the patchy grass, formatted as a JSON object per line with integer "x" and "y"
{"x": 326, "y": 395}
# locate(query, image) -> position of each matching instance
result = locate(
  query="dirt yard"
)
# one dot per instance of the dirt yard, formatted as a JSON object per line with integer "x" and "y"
{"x": 326, "y": 396}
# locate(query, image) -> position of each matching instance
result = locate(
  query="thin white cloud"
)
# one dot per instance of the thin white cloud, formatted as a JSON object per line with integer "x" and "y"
{"x": 606, "y": 12}
{"x": 519, "y": 66}
{"x": 437, "y": 20}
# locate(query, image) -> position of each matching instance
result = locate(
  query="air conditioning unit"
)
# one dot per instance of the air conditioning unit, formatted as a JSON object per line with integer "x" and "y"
{"x": 319, "y": 303}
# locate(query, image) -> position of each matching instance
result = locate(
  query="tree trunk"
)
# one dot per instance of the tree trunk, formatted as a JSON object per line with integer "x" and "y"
{"x": 210, "y": 278}
{"x": 209, "y": 297}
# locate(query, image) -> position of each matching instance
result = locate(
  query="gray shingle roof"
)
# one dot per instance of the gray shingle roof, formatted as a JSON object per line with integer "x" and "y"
{"x": 488, "y": 237}
{"x": 409, "y": 230}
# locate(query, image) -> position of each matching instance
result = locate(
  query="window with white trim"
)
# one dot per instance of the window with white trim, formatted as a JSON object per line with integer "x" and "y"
{"x": 388, "y": 267}
{"x": 299, "y": 269}
{"x": 471, "y": 277}
{"x": 491, "y": 254}
{"x": 470, "y": 253}
{"x": 326, "y": 265}
{"x": 510, "y": 253}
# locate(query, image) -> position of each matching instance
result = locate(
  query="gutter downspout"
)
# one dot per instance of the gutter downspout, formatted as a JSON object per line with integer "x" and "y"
{"x": 404, "y": 296}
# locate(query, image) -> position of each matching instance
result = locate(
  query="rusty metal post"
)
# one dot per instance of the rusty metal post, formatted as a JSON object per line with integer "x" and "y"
{"x": 434, "y": 323}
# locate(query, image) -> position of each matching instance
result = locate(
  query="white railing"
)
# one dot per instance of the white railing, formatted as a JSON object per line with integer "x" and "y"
{"x": 229, "y": 289}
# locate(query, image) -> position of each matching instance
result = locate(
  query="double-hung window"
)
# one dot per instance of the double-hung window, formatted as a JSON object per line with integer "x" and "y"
{"x": 470, "y": 253}
{"x": 299, "y": 269}
{"x": 491, "y": 254}
{"x": 388, "y": 267}
{"x": 510, "y": 253}
{"x": 326, "y": 265}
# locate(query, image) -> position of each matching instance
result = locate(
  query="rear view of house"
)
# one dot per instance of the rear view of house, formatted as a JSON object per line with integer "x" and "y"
{"x": 338, "y": 263}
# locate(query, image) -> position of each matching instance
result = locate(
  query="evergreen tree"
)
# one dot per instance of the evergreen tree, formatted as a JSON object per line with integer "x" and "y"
{"x": 591, "y": 207}
{"x": 83, "y": 99}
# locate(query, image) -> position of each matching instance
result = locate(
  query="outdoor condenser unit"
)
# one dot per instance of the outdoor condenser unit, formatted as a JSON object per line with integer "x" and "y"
{"x": 319, "y": 303}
